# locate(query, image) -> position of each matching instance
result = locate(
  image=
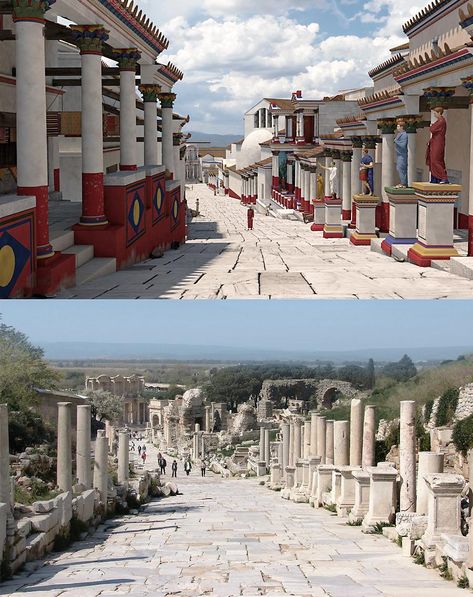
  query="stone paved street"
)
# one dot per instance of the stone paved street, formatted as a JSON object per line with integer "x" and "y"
{"x": 279, "y": 259}
{"x": 225, "y": 538}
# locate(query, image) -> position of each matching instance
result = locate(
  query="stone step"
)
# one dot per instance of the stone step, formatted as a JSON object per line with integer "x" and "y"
{"x": 376, "y": 246}
{"x": 96, "y": 268}
{"x": 461, "y": 266}
{"x": 61, "y": 239}
{"x": 441, "y": 264}
{"x": 83, "y": 253}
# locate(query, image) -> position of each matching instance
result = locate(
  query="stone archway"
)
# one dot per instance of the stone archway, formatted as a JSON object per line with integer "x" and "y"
{"x": 329, "y": 390}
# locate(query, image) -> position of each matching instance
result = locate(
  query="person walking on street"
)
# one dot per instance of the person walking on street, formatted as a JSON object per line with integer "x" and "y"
{"x": 251, "y": 217}
{"x": 203, "y": 468}
{"x": 174, "y": 468}
{"x": 139, "y": 450}
{"x": 143, "y": 457}
{"x": 163, "y": 465}
{"x": 187, "y": 467}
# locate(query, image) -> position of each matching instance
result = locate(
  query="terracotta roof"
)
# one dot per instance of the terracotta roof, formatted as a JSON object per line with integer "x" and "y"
{"x": 424, "y": 13}
{"x": 391, "y": 62}
{"x": 282, "y": 104}
{"x": 412, "y": 63}
{"x": 232, "y": 168}
{"x": 311, "y": 153}
{"x": 351, "y": 119}
{"x": 171, "y": 72}
{"x": 264, "y": 162}
{"x": 335, "y": 135}
{"x": 379, "y": 96}
{"x": 401, "y": 47}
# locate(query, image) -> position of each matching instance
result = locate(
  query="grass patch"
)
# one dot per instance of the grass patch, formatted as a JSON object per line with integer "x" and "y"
{"x": 379, "y": 526}
{"x": 463, "y": 582}
{"x": 419, "y": 557}
{"x": 330, "y": 507}
{"x": 355, "y": 523}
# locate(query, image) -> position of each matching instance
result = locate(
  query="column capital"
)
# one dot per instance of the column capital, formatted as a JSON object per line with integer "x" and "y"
{"x": 312, "y": 169}
{"x": 90, "y": 38}
{"x": 176, "y": 139}
{"x": 127, "y": 58}
{"x": 335, "y": 154}
{"x": 467, "y": 83}
{"x": 167, "y": 99}
{"x": 411, "y": 122}
{"x": 357, "y": 142}
{"x": 346, "y": 156}
{"x": 439, "y": 97}
{"x": 31, "y": 10}
{"x": 370, "y": 141}
{"x": 387, "y": 126}
{"x": 150, "y": 92}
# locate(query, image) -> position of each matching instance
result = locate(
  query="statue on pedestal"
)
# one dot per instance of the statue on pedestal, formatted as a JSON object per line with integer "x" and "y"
{"x": 400, "y": 142}
{"x": 367, "y": 173}
{"x": 320, "y": 187}
{"x": 333, "y": 176}
{"x": 435, "y": 157}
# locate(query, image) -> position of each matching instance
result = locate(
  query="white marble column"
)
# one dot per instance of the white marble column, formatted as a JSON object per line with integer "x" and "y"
{"x": 267, "y": 447}
{"x": 83, "y": 447}
{"x": 64, "y": 446}
{"x": 341, "y": 449}
{"x": 261, "y": 444}
{"x": 167, "y": 103}
{"x": 387, "y": 173}
{"x": 346, "y": 187}
{"x": 313, "y": 434}
{"x": 150, "y": 97}
{"x": 321, "y": 438}
{"x": 101, "y": 466}
{"x": 127, "y": 60}
{"x": 297, "y": 439}
{"x": 291, "y": 443}
{"x": 307, "y": 431}
{"x": 355, "y": 170}
{"x": 356, "y": 432}
{"x": 407, "y": 456}
{"x": 31, "y": 134}
{"x": 411, "y": 130}
{"x": 329, "y": 442}
{"x": 285, "y": 447}
{"x": 369, "y": 437}
{"x": 123, "y": 457}
{"x": 328, "y": 163}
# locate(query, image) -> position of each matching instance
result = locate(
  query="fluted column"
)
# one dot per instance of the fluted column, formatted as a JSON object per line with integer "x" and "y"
{"x": 31, "y": 135}
{"x": 90, "y": 39}
{"x": 150, "y": 97}
{"x": 167, "y": 103}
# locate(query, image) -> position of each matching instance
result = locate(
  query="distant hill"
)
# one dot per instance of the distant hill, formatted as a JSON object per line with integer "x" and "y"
{"x": 132, "y": 350}
{"x": 214, "y": 140}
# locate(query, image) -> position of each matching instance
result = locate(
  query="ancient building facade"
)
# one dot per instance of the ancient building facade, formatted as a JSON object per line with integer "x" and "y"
{"x": 135, "y": 406}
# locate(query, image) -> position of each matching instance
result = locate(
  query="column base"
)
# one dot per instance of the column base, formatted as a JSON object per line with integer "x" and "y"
{"x": 389, "y": 241}
{"x": 317, "y": 227}
{"x": 360, "y": 239}
{"x": 54, "y": 274}
{"x": 333, "y": 231}
{"x": 423, "y": 255}
{"x": 93, "y": 221}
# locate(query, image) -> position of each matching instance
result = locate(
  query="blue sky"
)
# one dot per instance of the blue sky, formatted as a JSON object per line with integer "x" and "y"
{"x": 234, "y": 52}
{"x": 294, "y": 325}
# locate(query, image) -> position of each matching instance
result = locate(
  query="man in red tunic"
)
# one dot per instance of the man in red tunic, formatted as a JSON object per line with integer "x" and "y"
{"x": 435, "y": 158}
{"x": 251, "y": 217}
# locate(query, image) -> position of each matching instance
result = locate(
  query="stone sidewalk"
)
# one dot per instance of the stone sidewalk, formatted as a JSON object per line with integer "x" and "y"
{"x": 225, "y": 538}
{"x": 279, "y": 259}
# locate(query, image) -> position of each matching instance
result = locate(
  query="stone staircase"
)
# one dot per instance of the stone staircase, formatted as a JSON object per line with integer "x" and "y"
{"x": 88, "y": 266}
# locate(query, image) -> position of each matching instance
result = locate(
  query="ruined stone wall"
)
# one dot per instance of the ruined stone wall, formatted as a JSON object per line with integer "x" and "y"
{"x": 277, "y": 390}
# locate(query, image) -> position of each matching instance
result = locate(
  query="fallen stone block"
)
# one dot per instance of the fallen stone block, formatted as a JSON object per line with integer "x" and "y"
{"x": 42, "y": 507}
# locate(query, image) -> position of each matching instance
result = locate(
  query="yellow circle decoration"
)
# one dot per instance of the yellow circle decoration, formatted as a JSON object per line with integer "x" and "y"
{"x": 175, "y": 209}
{"x": 136, "y": 212}
{"x": 7, "y": 265}
{"x": 159, "y": 198}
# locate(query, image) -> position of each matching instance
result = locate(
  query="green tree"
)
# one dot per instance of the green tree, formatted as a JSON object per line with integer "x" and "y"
{"x": 370, "y": 375}
{"x": 105, "y": 405}
{"x": 401, "y": 370}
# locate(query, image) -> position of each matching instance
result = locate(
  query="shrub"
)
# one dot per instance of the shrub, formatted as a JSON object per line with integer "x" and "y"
{"x": 447, "y": 406}
{"x": 428, "y": 411}
{"x": 77, "y": 527}
{"x": 463, "y": 434}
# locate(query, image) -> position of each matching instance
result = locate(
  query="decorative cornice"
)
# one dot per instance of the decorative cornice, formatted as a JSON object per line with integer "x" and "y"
{"x": 357, "y": 142}
{"x": 434, "y": 60}
{"x": 380, "y": 96}
{"x": 353, "y": 119}
{"x": 412, "y": 122}
{"x": 439, "y": 96}
{"x": 150, "y": 92}
{"x": 369, "y": 142}
{"x": 466, "y": 20}
{"x": 391, "y": 62}
{"x": 346, "y": 156}
{"x": 127, "y": 58}
{"x": 130, "y": 14}
{"x": 167, "y": 99}
{"x": 423, "y": 14}
{"x": 171, "y": 72}
{"x": 90, "y": 38}
{"x": 31, "y": 10}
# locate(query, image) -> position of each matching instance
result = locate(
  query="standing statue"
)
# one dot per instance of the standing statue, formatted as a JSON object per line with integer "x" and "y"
{"x": 367, "y": 173}
{"x": 333, "y": 176}
{"x": 435, "y": 158}
{"x": 400, "y": 142}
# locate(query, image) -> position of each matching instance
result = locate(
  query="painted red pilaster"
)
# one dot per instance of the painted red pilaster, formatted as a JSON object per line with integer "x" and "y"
{"x": 43, "y": 247}
{"x": 93, "y": 202}
{"x": 57, "y": 180}
{"x": 470, "y": 236}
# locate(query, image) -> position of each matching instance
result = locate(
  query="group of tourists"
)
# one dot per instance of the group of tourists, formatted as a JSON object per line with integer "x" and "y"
{"x": 162, "y": 463}
{"x": 141, "y": 449}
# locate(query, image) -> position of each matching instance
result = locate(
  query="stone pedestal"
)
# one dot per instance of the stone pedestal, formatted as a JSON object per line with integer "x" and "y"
{"x": 402, "y": 218}
{"x": 329, "y": 446}
{"x": 64, "y": 447}
{"x": 336, "y": 487}
{"x": 435, "y": 227}
{"x": 319, "y": 216}
{"x": 83, "y": 447}
{"x": 313, "y": 489}
{"x": 275, "y": 474}
{"x": 444, "y": 511}
{"x": 365, "y": 219}
{"x": 382, "y": 502}
{"x": 324, "y": 482}
{"x": 361, "y": 496}
{"x": 341, "y": 451}
{"x": 333, "y": 219}
{"x": 356, "y": 432}
{"x": 429, "y": 463}
{"x": 369, "y": 437}
{"x": 261, "y": 470}
{"x": 123, "y": 457}
{"x": 407, "y": 456}
{"x": 290, "y": 480}
{"x": 346, "y": 499}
